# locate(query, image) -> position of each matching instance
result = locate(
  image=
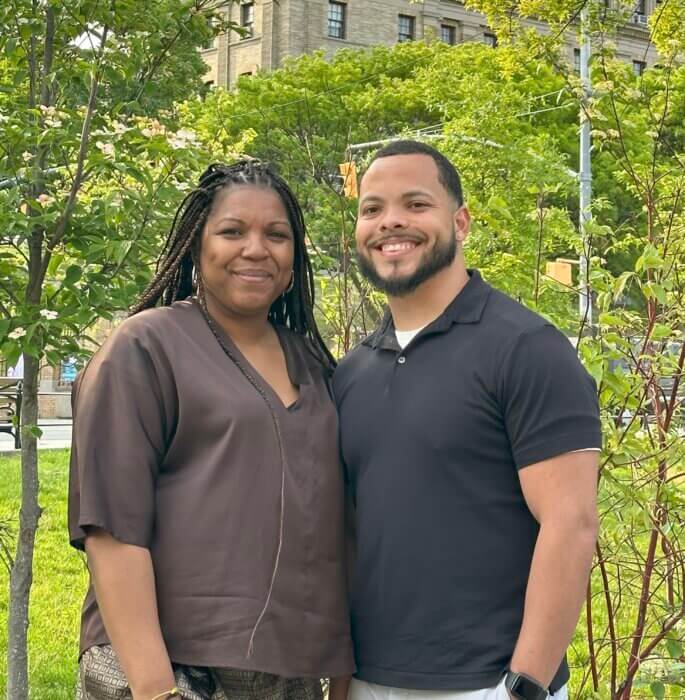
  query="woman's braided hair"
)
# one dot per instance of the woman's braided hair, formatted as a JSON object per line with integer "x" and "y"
{"x": 177, "y": 273}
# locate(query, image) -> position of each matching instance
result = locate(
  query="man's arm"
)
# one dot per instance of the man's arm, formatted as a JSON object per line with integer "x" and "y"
{"x": 125, "y": 590}
{"x": 561, "y": 493}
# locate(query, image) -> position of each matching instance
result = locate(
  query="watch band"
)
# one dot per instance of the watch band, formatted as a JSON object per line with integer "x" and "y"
{"x": 524, "y": 687}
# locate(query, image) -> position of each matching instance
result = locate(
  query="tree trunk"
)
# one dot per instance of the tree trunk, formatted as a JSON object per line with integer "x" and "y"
{"x": 21, "y": 575}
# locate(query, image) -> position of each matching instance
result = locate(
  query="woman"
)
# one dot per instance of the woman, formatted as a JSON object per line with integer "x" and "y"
{"x": 205, "y": 485}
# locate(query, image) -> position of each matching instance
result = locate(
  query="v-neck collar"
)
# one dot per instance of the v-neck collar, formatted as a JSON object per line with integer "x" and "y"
{"x": 296, "y": 366}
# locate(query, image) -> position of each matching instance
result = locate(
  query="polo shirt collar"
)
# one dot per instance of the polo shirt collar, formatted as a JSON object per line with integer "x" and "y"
{"x": 466, "y": 307}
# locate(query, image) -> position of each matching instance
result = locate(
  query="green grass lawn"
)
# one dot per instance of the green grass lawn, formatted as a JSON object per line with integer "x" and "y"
{"x": 60, "y": 581}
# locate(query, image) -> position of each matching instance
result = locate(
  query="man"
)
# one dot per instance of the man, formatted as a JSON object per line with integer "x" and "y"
{"x": 470, "y": 434}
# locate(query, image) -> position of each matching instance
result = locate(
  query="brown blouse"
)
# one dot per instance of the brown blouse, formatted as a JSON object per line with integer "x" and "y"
{"x": 174, "y": 450}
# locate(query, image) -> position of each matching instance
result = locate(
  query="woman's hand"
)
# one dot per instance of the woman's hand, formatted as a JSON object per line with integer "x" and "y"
{"x": 338, "y": 688}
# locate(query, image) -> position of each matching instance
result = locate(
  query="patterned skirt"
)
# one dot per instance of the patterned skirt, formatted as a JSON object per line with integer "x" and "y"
{"x": 101, "y": 678}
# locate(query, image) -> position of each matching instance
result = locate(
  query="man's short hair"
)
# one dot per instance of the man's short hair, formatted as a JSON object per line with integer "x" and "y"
{"x": 447, "y": 173}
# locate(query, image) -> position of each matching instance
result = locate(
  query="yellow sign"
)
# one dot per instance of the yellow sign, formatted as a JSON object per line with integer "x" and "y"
{"x": 561, "y": 272}
{"x": 349, "y": 172}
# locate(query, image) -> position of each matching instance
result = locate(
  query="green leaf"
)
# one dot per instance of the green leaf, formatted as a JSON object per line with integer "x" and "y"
{"x": 675, "y": 648}
{"x": 660, "y": 293}
{"x": 34, "y": 431}
{"x": 72, "y": 275}
{"x": 55, "y": 262}
{"x": 650, "y": 259}
{"x": 11, "y": 351}
{"x": 620, "y": 283}
{"x": 661, "y": 331}
{"x": 651, "y": 290}
{"x": 658, "y": 690}
{"x": 596, "y": 369}
{"x": 619, "y": 386}
{"x": 608, "y": 319}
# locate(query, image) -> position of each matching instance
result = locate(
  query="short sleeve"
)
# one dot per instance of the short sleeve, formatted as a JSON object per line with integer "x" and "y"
{"x": 549, "y": 400}
{"x": 120, "y": 425}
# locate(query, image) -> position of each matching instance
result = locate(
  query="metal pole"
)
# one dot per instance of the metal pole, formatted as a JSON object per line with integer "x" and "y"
{"x": 585, "y": 305}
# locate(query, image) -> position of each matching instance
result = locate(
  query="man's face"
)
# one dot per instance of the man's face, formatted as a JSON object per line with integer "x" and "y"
{"x": 408, "y": 224}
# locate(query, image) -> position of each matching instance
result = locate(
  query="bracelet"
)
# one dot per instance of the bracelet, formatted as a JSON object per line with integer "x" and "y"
{"x": 173, "y": 693}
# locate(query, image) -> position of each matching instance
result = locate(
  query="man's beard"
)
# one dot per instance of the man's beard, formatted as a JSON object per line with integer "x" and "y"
{"x": 439, "y": 257}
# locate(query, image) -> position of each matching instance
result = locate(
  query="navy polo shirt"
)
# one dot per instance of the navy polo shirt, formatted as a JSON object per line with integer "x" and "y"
{"x": 432, "y": 438}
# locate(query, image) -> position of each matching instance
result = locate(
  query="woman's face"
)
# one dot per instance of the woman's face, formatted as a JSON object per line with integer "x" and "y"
{"x": 247, "y": 250}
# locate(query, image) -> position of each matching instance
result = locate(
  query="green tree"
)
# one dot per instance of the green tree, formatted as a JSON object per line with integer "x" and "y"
{"x": 305, "y": 116}
{"x": 92, "y": 164}
{"x": 631, "y": 643}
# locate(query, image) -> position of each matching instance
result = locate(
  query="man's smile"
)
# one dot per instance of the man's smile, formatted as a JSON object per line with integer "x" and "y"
{"x": 395, "y": 246}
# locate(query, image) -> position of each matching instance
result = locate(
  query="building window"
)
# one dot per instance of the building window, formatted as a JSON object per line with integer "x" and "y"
{"x": 336, "y": 19}
{"x": 448, "y": 34}
{"x": 640, "y": 14}
{"x": 247, "y": 19}
{"x": 405, "y": 28}
{"x": 639, "y": 67}
{"x": 490, "y": 39}
{"x": 576, "y": 61}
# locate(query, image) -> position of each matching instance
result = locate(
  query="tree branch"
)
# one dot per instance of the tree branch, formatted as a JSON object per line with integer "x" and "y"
{"x": 61, "y": 225}
{"x": 48, "y": 56}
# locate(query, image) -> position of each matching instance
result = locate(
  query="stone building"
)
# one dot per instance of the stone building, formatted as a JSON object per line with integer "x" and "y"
{"x": 276, "y": 29}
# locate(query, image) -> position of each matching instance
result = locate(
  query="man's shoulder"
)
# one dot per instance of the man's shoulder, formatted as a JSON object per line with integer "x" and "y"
{"x": 352, "y": 362}
{"x": 509, "y": 318}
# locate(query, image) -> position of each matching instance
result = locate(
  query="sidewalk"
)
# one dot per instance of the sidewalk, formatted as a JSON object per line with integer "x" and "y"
{"x": 57, "y": 434}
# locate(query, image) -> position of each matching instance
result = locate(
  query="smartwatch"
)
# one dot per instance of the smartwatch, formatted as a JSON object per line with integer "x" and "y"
{"x": 524, "y": 687}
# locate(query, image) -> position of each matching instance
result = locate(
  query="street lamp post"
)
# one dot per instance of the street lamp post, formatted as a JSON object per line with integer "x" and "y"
{"x": 585, "y": 174}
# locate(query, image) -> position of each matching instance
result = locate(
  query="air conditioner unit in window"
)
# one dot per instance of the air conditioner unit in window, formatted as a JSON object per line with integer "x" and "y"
{"x": 639, "y": 19}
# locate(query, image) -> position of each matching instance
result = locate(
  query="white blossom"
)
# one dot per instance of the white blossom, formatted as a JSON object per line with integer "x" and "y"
{"x": 187, "y": 134}
{"x": 51, "y": 116}
{"x": 26, "y": 156}
{"x": 106, "y": 148}
{"x": 45, "y": 199}
{"x": 183, "y": 138}
{"x": 17, "y": 333}
{"x": 47, "y": 313}
{"x": 154, "y": 129}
